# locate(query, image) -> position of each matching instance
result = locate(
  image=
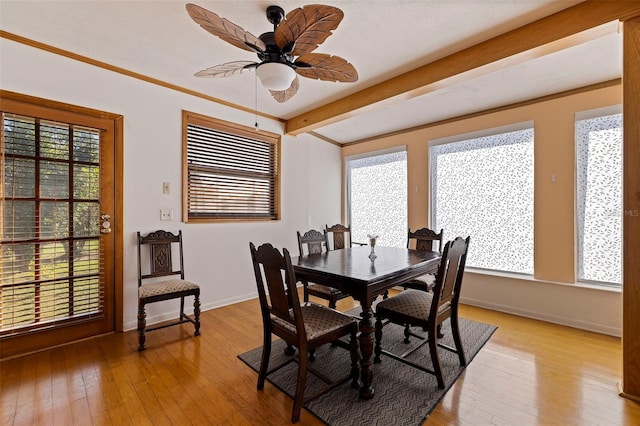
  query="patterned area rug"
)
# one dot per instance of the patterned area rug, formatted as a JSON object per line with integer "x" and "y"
{"x": 403, "y": 394}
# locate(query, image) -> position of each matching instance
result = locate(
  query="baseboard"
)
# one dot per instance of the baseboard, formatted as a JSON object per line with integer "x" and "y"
{"x": 542, "y": 316}
{"x": 626, "y": 395}
{"x": 167, "y": 316}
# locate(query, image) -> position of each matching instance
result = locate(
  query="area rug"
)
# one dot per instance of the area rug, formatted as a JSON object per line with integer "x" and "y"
{"x": 403, "y": 394}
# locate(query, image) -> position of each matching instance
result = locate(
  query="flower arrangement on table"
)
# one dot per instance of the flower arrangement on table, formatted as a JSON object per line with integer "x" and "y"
{"x": 372, "y": 242}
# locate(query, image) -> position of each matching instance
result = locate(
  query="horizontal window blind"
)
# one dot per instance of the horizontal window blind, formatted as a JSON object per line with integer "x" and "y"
{"x": 50, "y": 254}
{"x": 230, "y": 175}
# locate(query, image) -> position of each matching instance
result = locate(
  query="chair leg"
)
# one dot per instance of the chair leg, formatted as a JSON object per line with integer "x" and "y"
{"x": 305, "y": 293}
{"x": 289, "y": 350}
{"x": 142, "y": 323}
{"x": 301, "y": 383}
{"x": 196, "y": 314}
{"x": 407, "y": 333}
{"x": 264, "y": 362}
{"x": 455, "y": 331}
{"x": 355, "y": 359}
{"x": 435, "y": 358}
{"x": 332, "y": 302}
{"x": 378, "y": 335}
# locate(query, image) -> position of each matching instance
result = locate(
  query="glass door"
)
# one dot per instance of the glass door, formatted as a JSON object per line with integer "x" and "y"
{"x": 56, "y": 270}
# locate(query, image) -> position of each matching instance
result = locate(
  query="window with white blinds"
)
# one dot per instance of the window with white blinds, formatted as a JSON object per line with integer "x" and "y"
{"x": 231, "y": 172}
{"x": 50, "y": 253}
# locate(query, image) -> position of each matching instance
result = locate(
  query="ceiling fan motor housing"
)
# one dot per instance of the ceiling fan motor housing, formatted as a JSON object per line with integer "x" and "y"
{"x": 273, "y": 52}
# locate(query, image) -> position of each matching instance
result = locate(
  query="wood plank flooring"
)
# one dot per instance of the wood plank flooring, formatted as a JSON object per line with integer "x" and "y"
{"x": 530, "y": 373}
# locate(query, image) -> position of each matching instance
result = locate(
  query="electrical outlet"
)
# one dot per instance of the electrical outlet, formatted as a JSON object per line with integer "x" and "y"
{"x": 166, "y": 214}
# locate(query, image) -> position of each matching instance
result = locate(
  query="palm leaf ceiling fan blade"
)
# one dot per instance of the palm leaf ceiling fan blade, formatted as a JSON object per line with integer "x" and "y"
{"x": 298, "y": 34}
{"x": 308, "y": 27}
{"x": 227, "y": 69}
{"x": 225, "y": 29}
{"x": 326, "y": 67}
{"x": 285, "y": 95}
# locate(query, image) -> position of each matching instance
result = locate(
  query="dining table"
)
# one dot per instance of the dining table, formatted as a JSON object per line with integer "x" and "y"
{"x": 365, "y": 274}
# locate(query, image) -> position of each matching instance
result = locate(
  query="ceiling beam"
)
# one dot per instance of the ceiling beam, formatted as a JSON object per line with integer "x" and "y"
{"x": 429, "y": 77}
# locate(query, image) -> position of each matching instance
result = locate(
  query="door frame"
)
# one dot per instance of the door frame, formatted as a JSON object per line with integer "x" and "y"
{"x": 118, "y": 168}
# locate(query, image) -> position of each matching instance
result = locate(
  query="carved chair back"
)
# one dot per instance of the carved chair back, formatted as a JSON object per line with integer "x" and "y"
{"x": 275, "y": 277}
{"x": 423, "y": 239}
{"x": 161, "y": 246}
{"x": 314, "y": 241}
{"x": 449, "y": 279}
{"x": 341, "y": 235}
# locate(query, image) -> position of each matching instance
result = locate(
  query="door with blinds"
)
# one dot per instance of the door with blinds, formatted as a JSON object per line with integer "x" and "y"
{"x": 57, "y": 254}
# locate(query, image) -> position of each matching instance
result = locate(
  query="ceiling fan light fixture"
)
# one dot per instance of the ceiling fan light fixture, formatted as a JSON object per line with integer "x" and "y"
{"x": 275, "y": 75}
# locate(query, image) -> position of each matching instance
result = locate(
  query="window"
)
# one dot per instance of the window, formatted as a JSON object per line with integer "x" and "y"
{"x": 50, "y": 253}
{"x": 377, "y": 197}
{"x": 483, "y": 187}
{"x": 230, "y": 172}
{"x": 599, "y": 197}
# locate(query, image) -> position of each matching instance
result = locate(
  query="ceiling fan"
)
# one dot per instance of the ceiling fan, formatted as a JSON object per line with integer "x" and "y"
{"x": 285, "y": 52}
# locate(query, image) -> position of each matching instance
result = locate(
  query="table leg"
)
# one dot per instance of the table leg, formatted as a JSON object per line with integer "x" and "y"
{"x": 366, "y": 350}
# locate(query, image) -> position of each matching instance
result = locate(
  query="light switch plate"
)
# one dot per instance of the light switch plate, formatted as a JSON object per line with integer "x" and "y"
{"x": 166, "y": 214}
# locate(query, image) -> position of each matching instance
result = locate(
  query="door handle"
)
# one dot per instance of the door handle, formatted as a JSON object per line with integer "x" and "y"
{"x": 105, "y": 224}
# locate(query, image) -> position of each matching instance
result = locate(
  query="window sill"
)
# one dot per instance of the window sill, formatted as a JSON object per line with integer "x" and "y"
{"x": 522, "y": 277}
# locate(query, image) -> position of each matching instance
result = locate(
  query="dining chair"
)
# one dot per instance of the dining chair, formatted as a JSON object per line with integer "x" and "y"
{"x": 423, "y": 239}
{"x": 428, "y": 310}
{"x": 305, "y": 327}
{"x": 155, "y": 283}
{"x": 317, "y": 242}
{"x": 341, "y": 236}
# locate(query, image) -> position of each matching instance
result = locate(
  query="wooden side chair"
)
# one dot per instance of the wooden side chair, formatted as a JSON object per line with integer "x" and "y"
{"x": 317, "y": 242}
{"x": 341, "y": 236}
{"x": 153, "y": 285}
{"x": 423, "y": 239}
{"x": 305, "y": 327}
{"x": 428, "y": 310}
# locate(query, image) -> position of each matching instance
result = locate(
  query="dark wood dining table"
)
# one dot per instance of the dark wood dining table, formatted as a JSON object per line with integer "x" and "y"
{"x": 353, "y": 272}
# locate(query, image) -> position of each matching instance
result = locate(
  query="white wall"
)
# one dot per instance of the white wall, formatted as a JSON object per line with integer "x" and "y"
{"x": 216, "y": 255}
{"x": 577, "y": 305}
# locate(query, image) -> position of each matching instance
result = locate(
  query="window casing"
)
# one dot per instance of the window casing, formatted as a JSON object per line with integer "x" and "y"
{"x": 599, "y": 197}
{"x": 230, "y": 172}
{"x": 483, "y": 187}
{"x": 377, "y": 197}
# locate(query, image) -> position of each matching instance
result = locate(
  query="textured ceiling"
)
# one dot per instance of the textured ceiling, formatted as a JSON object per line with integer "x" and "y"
{"x": 381, "y": 38}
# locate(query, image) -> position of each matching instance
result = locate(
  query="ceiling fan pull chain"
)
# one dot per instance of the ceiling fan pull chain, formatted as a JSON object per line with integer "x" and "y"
{"x": 256, "y": 102}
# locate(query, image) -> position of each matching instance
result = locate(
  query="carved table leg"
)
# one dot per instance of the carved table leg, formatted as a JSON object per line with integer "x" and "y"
{"x": 366, "y": 350}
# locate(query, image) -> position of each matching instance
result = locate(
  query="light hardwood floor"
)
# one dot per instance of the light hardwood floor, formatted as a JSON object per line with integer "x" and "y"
{"x": 529, "y": 373}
